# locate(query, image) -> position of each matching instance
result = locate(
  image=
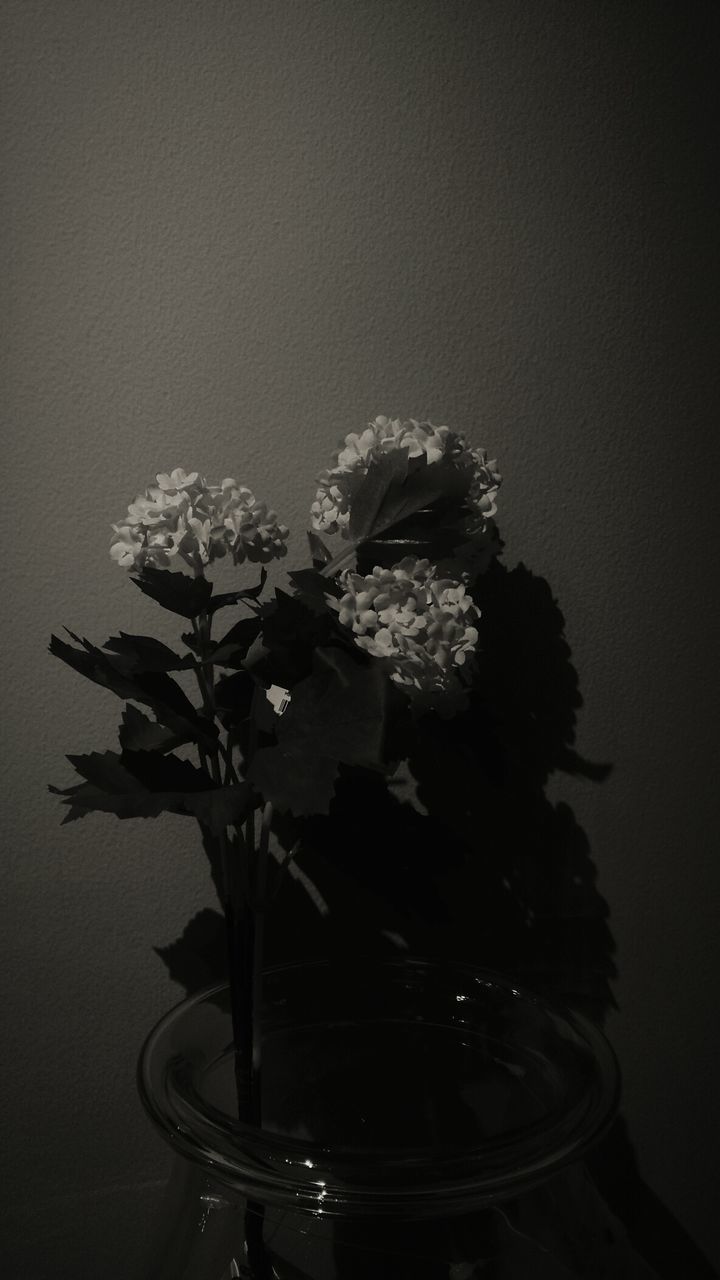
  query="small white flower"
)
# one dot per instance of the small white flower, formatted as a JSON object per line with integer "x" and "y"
{"x": 183, "y": 516}
{"x": 179, "y": 480}
{"x": 422, "y": 625}
{"x": 330, "y": 511}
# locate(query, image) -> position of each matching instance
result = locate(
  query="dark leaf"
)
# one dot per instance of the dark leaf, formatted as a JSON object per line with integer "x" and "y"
{"x": 248, "y": 594}
{"x": 143, "y": 784}
{"x": 303, "y": 784}
{"x": 144, "y": 653}
{"x": 393, "y": 489}
{"x": 313, "y": 589}
{"x": 264, "y": 715}
{"x": 254, "y": 593}
{"x": 232, "y": 649}
{"x": 291, "y": 631}
{"x": 154, "y": 689}
{"x": 139, "y": 733}
{"x": 165, "y": 772}
{"x": 222, "y": 807}
{"x": 192, "y": 641}
{"x": 87, "y": 798}
{"x": 198, "y": 958}
{"x": 369, "y": 492}
{"x": 318, "y": 550}
{"x": 233, "y": 697}
{"x": 175, "y": 591}
{"x": 95, "y": 665}
{"x": 105, "y": 769}
{"x": 340, "y": 706}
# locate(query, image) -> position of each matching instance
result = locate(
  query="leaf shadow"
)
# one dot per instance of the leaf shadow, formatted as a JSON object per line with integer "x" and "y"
{"x": 469, "y": 859}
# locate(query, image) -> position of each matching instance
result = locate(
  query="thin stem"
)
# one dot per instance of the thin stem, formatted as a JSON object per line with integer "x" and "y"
{"x": 339, "y": 562}
{"x": 244, "y": 938}
{"x": 260, "y": 909}
{"x": 230, "y": 773}
{"x": 250, "y": 820}
{"x": 283, "y": 865}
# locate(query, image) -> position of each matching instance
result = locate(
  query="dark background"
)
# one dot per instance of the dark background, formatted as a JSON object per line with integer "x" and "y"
{"x": 233, "y": 232}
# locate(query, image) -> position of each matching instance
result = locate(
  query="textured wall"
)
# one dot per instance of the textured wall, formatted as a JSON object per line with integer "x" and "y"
{"x": 234, "y": 231}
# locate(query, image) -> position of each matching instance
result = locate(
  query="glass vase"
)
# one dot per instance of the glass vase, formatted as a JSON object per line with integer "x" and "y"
{"x": 421, "y": 1121}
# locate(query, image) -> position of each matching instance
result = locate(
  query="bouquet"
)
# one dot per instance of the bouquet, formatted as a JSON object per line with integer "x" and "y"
{"x": 296, "y": 692}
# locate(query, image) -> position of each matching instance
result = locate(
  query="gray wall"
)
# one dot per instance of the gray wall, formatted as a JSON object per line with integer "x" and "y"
{"x": 232, "y": 232}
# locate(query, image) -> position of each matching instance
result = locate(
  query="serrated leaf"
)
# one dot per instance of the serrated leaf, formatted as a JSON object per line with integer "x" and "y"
{"x": 300, "y": 784}
{"x": 198, "y": 958}
{"x": 143, "y": 784}
{"x": 160, "y": 772}
{"x": 104, "y": 769}
{"x": 291, "y": 631}
{"x": 369, "y": 492}
{"x": 94, "y": 665}
{"x": 139, "y": 733}
{"x": 233, "y": 697}
{"x": 87, "y": 798}
{"x": 175, "y": 591}
{"x": 154, "y": 689}
{"x": 232, "y": 649}
{"x": 247, "y": 594}
{"x": 395, "y": 487}
{"x": 341, "y": 706}
{"x": 144, "y": 653}
{"x": 254, "y": 593}
{"x": 263, "y": 713}
{"x": 313, "y": 589}
{"x": 221, "y": 807}
{"x": 318, "y": 551}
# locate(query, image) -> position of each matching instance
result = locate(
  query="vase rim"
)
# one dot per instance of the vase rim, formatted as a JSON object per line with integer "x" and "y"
{"x": 284, "y": 1168}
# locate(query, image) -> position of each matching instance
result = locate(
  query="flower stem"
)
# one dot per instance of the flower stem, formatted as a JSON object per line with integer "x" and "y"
{"x": 339, "y": 562}
{"x": 244, "y": 925}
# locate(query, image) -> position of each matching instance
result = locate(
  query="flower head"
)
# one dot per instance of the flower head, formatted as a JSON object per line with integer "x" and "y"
{"x": 183, "y": 517}
{"x": 422, "y": 625}
{"x": 330, "y": 512}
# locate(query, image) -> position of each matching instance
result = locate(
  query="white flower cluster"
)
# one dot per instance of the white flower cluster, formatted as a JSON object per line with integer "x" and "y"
{"x": 183, "y": 516}
{"x": 330, "y": 511}
{"x": 423, "y": 625}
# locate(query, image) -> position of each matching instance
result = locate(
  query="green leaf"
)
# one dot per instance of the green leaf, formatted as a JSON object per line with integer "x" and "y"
{"x": 232, "y": 650}
{"x": 313, "y": 589}
{"x": 222, "y": 806}
{"x": 233, "y": 697}
{"x": 175, "y": 591}
{"x": 340, "y": 706}
{"x": 198, "y": 958}
{"x": 139, "y": 733}
{"x": 336, "y": 715}
{"x": 160, "y": 772}
{"x": 87, "y": 798}
{"x": 291, "y": 631}
{"x": 144, "y": 653}
{"x": 369, "y": 492}
{"x": 154, "y": 689}
{"x": 263, "y": 713}
{"x": 192, "y": 789}
{"x": 395, "y": 487}
{"x": 110, "y": 788}
{"x": 94, "y": 665}
{"x": 143, "y": 784}
{"x": 319, "y": 552}
{"x": 302, "y": 785}
{"x": 248, "y": 594}
{"x": 105, "y": 769}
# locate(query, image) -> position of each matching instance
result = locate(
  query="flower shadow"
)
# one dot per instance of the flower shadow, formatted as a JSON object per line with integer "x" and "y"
{"x": 471, "y": 860}
{"x": 464, "y": 856}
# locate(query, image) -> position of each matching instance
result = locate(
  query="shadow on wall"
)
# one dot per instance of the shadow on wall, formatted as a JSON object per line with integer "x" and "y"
{"x": 468, "y": 859}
